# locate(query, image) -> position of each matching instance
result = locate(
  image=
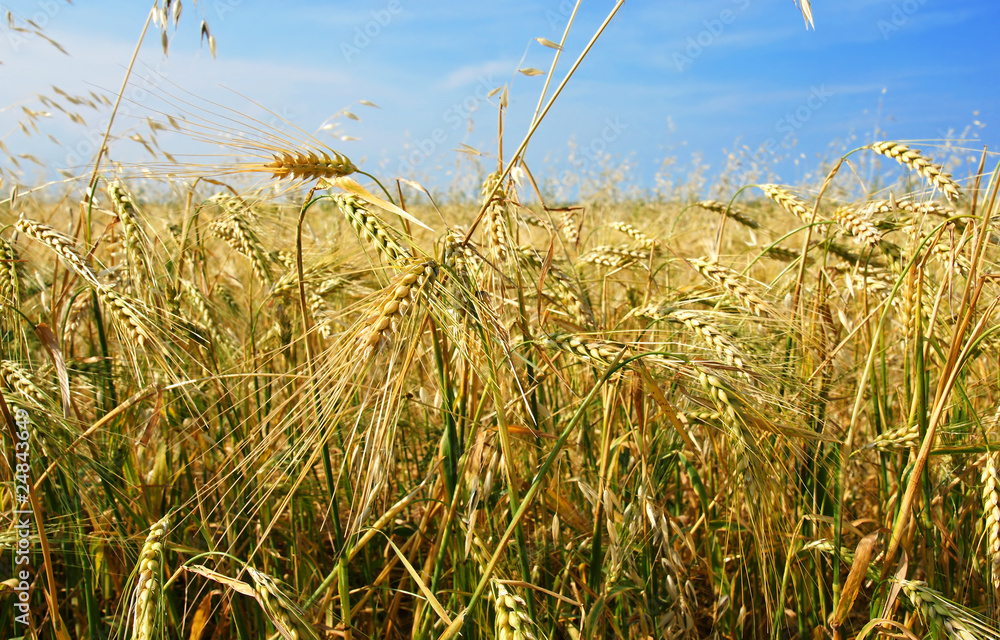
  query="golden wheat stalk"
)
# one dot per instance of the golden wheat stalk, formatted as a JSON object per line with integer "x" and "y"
{"x": 991, "y": 513}
{"x": 857, "y": 225}
{"x": 63, "y": 246}
{"x": 614, "y": 257}
{"x": 396, "y": 301}
{"x": 921, "y": 164}
{"x": 512, "y": 620}
{"x": 729, "y": 211}
{"x": 731, "y": 282}
{"x": 369, "y": 228}
{"x": 787, "y": 201}
{"x": 286, "y": 617}
{"x": 146, "y": 600}
{"x": 10, "y": 284}
{"x": 19, "y": 379}
{"x": 641, "y": 238}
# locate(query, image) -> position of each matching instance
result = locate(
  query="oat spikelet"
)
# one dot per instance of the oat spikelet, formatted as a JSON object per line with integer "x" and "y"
{"x": 919, "y": 163}
{"x": 287, "y": 618}
{"x": 371, "y": 229}
{"x": 644, "y": 240}
{"x": 732, "y": 212}
{"x": 731, "y": 282}
{"x": 787, "y": 201}
{"x": 399, "y": 297}
{"x": 512, "y": 621}
{"x": 991, "y": 513}
{"x": 62, "y": 245}
{"x": 146, "y": 600}
{"x": 858, "y": 225}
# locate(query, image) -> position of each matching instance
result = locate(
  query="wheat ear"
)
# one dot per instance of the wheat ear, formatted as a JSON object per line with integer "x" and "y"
{"x": 397, "y": 299}
{"x": 644, "y": 241}
{"x": 307, "y": 164}
{"x": 10, "y": 285}
{"x": 787, "y": 201}
{"x": 732, "y": 212}
{"x": 857, "y": 225}
{"x": 512, "y": 620}
{"x": 731, "y": 282}
{"x": 63, "y": 246}
{"x": 148, "y": 585}
{"x": 919, "y": 163}
{"x": 371, "y": 229}
{"x": 279, "y": 607}
{"x": 991, "y": 512}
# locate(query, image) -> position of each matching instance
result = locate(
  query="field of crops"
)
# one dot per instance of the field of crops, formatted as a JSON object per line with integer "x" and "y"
{"x": 351, "y": 411}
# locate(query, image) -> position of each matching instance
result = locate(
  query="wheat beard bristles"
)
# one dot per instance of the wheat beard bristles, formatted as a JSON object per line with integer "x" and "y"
{"x": 309, "y": 165}
{"x": 148, "y": 584}
{"x": 919, "y": 163}
{"x": 937, "y": 611}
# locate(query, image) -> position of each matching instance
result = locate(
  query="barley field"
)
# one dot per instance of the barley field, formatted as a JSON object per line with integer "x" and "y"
{"x": 292, "y": 396}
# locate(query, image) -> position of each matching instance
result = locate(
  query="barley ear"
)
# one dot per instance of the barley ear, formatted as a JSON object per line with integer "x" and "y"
{"x": 147, "y": 600}
{"x": 921, "y": 164}
{"x": 991, "y": 514}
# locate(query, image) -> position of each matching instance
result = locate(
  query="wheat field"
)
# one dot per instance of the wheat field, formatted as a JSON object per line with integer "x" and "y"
{"x": 284, "y": 397}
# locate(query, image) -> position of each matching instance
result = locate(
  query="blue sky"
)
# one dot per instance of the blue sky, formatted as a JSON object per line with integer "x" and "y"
{"x": 667, "y": 79}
